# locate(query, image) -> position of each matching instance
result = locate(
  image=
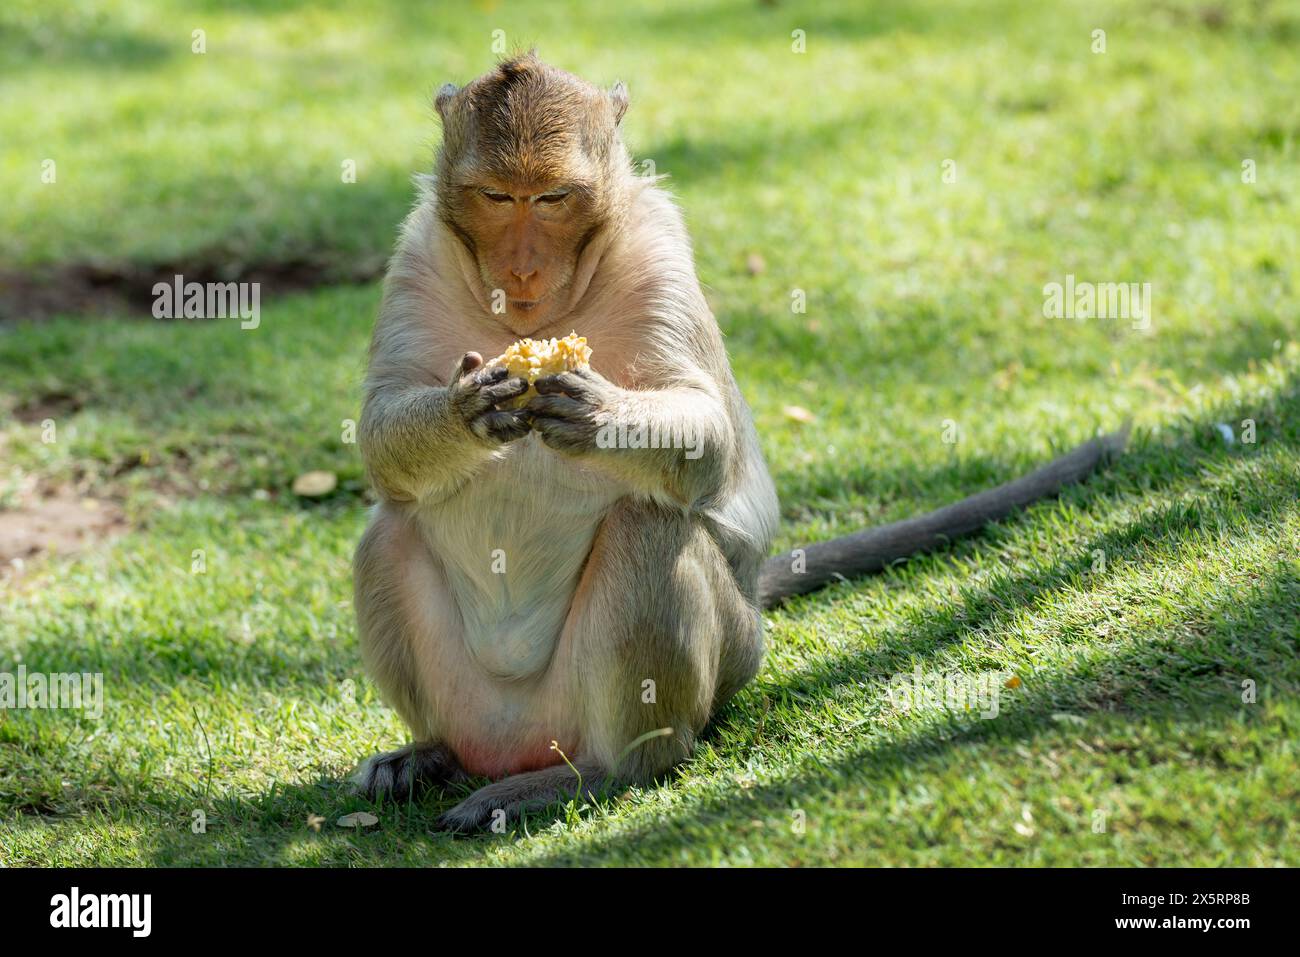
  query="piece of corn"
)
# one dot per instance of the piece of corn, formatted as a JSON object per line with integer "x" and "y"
{"x": 533, "y": 358}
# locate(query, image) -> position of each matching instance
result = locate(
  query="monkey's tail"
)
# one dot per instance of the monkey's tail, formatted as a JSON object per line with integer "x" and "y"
{"x": 874, "y": 549}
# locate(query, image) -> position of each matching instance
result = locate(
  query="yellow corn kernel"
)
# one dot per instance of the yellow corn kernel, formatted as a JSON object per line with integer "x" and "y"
{"x": 532, "y": 359}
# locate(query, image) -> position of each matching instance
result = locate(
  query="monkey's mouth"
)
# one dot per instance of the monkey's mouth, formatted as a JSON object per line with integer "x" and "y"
{"x": 524, "y": 305}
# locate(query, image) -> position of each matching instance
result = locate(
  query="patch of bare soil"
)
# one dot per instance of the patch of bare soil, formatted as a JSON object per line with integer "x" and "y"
{"x": 49, "y": 405}
{"x": 103, "y": 288}
{"x": 60, "y": 524}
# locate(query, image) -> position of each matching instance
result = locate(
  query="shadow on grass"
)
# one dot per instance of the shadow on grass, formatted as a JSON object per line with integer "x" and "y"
{"x": 1195, "y": 684}
{"x": 1183, "y": 692}
{"x": 79, "y": 42}
{"x": 1157, "y": 535}
{"x": 1192, "y": 681}
{"x": 348, "y": 243}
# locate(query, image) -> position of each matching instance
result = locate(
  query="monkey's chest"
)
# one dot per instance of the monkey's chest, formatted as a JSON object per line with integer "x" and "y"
{"x": 513, "y": 543}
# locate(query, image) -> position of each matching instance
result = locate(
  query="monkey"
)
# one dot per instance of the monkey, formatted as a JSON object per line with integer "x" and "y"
{"x": 543, "y": 608}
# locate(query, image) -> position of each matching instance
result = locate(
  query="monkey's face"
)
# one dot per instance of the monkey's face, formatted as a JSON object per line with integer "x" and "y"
{"x": 527, "y": 238}
{"x": 531, "y": 168}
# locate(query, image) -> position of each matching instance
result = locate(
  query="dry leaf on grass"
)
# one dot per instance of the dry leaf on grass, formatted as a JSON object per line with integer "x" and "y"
{"x": 358, "y": 819}
{"x": 315, "y": 484}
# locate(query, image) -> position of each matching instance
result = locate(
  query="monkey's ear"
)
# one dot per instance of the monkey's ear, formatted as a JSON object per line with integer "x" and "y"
{"x": 618, "y": 99}
{"x": 443, "y": 99}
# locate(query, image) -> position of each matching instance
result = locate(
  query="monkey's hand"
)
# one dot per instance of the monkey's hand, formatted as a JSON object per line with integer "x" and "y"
{"x": 474, "y": 395}
{"x": 671, "y": 444}
{"x": 570, "y": 409}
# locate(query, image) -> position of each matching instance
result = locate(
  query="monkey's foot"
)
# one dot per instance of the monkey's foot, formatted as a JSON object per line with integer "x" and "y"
{"x": 399, "y": 773}
{"x": 491, "y": 807}
{"x": 469, "y": 816}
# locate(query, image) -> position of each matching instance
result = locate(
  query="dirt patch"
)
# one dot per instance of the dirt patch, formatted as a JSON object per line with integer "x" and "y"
{"x": 100, "y": 289}
{"x": 61, "y": 525}
{"x": 50, "y": 405}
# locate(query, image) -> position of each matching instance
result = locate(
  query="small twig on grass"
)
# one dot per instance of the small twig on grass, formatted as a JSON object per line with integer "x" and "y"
{"x": 207, "y": 787}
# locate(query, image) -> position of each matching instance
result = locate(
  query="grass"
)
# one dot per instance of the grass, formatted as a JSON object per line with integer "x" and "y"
{"x": 1126, "y": 739}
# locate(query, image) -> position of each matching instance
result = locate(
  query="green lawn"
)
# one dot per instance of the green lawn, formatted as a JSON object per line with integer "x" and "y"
{"x": 239, "y": 692}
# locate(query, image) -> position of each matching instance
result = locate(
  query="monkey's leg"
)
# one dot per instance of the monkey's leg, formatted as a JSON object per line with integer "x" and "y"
{"x": 509, "y": 798}
{"x": 657, "y": 633}
{"x": 392, "y": 572}
{"x": 664, "y": 638}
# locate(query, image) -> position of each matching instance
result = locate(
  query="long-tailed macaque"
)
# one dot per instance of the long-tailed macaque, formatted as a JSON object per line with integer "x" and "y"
{"x": 525, "y": 587}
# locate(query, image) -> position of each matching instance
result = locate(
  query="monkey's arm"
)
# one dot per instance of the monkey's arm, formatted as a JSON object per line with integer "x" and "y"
{"x": 673, "y": 443}
{"x": 421, "y": 442}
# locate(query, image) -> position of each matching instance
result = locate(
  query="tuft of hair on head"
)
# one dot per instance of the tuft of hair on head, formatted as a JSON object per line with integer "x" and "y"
{"x": 514, "y": 70}
{"x": 520, "y": 62}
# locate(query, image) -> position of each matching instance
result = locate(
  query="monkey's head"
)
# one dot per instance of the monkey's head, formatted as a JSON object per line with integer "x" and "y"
{"x": 530, "y": 171}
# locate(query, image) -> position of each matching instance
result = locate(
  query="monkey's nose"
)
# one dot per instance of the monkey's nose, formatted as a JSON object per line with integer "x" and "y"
{"x": 521, "y": 275}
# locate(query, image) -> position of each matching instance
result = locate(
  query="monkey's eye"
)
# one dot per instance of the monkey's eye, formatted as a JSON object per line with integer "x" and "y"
{"x": 496, "y": 197}
{"x": 553, "y": 197}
